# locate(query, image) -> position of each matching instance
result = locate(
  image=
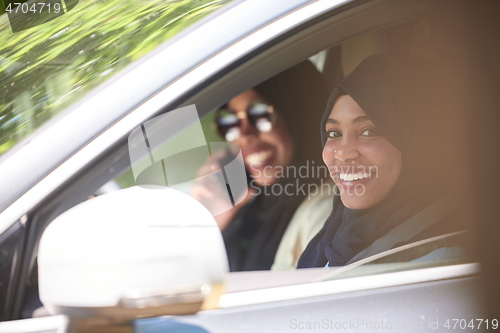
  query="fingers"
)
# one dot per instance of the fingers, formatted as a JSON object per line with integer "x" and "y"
{"x": 212, "y": 163}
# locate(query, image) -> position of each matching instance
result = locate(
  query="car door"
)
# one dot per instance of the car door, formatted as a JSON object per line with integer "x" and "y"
{"x": 261, "y": 54}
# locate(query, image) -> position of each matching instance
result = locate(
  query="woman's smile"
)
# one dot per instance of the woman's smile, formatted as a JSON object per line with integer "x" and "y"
{"x": 349, "y": 177}
{"x": 351, "y": 181}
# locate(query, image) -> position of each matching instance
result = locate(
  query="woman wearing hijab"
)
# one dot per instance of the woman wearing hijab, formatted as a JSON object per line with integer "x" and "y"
{"x": 274, "y": 125}
{"x": 387, "y": 158}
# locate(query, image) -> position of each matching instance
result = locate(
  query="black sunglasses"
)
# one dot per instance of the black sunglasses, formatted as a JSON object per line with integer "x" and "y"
{"x": 260, "y": 115}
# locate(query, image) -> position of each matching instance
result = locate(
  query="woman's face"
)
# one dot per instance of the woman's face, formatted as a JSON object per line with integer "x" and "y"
{"x": 264, "y": 152}
{"x": 364, "y": 164}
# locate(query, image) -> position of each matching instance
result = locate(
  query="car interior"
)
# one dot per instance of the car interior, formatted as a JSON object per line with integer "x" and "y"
{"x": 335, "y": 43}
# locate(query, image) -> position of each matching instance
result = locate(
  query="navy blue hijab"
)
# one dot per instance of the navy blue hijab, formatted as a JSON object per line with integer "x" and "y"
{"x": 399, "y": 99}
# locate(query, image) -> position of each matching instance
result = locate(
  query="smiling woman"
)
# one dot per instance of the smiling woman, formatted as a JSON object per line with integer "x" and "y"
{"x": 378, "y": 134}
{"x": 265, "y": 141}
{"x": 274, "y": 125}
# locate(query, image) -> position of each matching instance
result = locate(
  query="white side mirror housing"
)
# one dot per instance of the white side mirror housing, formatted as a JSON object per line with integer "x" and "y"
{"x": 132, "y": 253}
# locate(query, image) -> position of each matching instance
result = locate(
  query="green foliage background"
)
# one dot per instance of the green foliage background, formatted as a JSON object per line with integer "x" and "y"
{"x": 45, "y": 69}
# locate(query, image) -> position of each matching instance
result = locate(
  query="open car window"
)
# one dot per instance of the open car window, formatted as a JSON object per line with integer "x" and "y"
{"x": 415, "y": 38}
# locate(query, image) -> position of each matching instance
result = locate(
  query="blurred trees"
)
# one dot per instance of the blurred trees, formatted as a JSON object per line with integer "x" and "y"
{"x": 45, "y": 69}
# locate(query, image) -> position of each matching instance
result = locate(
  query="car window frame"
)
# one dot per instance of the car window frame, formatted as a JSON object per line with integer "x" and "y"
{"x": 74, "y": 172}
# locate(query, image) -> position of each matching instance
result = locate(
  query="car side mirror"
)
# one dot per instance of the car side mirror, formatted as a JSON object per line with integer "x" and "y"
{"x": 132, "y": 253}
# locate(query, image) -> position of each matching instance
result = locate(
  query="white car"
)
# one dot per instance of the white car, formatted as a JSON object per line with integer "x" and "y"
{"x": 70, "y": 157}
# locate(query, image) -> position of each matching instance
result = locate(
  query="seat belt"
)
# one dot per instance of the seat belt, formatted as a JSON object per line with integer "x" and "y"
{"x": 410, "y": 228}
{"x": 343, "y": 269}
{"x": 382, "y": 247}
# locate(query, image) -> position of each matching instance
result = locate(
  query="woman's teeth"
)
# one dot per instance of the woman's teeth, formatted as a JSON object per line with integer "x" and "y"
{"x": 258, "y": 158}
{"x": 354, "y": 176}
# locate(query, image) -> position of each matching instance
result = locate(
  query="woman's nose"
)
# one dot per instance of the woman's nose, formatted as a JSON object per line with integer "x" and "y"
{"x": 346, "y": 150}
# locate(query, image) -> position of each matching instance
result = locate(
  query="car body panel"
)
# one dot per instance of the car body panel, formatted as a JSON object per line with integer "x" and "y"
{"x": 418, "y": 306}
